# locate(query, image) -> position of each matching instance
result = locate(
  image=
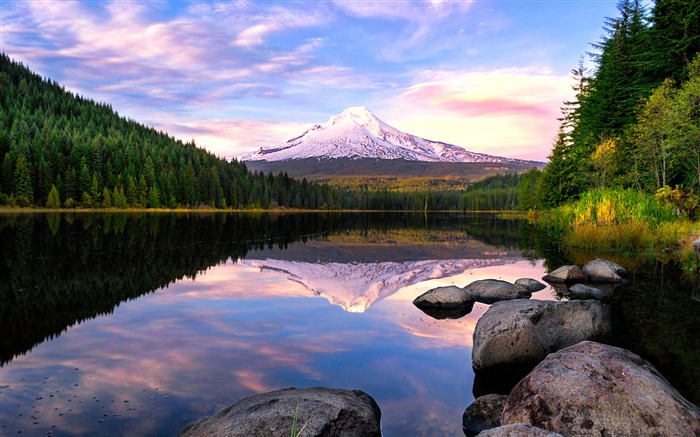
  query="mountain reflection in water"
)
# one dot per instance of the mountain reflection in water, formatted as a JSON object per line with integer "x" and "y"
{"x": 137, "y": 324}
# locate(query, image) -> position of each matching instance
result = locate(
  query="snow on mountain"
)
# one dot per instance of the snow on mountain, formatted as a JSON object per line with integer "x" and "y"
{"x": 357, "y": 286}
{"x": 358, "y": 133}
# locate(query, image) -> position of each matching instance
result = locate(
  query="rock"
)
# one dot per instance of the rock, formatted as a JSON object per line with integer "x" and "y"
{"x": 696, "y": 247}
{"x": 521, "y": 333}
{"x": 600, "y": 270}
{"x": 531, "y": 284}
{"x": 594, "y": 389}
{"x": 518, "y": 430}
{"x": 489, "y": 291}
{"x": 321, "y": 411}
{"x": 585, "y": 291}
{"x": 449, "y": 297}
{"x": 565, "y": 274}
{"x": 482, "y": 414}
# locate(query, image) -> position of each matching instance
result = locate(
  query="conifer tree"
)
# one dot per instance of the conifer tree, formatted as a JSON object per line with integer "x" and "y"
{"x": 24, "y": 192}
{"x": 54, "y": 199}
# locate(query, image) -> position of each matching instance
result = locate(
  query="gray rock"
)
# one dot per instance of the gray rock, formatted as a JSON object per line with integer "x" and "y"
{"x": 495, "y": 290}
{"x": 696, "y": 247}
{"x": 593, "y": 389}
{"x": 518, "y": 430}
{"x": 321, "y": 411}
{"x": 600, "y": 270}
{"x": 521, "y": 333}
{"x": 449, "y": 297}
{"x": 585, "y": 291}
{"x": 565, "y": 274}
{"x": 531, "y": 284}
{"x": 482, "y": 414}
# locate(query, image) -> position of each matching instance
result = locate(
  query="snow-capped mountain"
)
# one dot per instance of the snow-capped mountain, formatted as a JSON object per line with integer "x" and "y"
{"x": 358, "y": 133}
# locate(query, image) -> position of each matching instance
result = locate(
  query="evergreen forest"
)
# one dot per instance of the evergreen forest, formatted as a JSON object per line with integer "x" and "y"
{"x": 635, "y": 120}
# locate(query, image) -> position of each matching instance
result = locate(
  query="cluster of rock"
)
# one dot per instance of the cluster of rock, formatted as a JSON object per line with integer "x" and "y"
{"x": 569, "y": 280}
{"x": 584, "y": 390}
{"x": 573, "y": 385}
{"x": 454, "y": 302}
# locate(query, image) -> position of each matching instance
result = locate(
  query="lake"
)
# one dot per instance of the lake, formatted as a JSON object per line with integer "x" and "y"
{"x": 138, "y": 324}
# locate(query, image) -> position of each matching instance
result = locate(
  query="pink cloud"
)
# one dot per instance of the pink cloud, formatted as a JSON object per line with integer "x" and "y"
{"x": 510, "y": 112}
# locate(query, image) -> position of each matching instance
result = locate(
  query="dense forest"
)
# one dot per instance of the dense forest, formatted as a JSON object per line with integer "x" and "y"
{"x": 635, "y": 119}
{"x": 58, "y": 149}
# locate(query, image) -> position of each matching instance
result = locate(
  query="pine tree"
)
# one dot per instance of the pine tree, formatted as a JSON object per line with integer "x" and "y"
{"x": 24, "y": 192}
{"x": 153, "y": 200}
{"x": 54, "y": 199}
{"x": 106, "y": 198}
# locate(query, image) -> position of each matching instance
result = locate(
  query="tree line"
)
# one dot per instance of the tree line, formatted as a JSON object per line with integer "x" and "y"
{"x": 61, "y": 150}
{"x": 635, "y": 119}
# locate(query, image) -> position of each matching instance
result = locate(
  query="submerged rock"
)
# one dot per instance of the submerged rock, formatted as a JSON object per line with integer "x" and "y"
{"x": 321, "y": 411}
{"x": 521, "y": 333}
{"x": 489, "y": 291}
{"x": 565, "y": 274}
{"x": 594, "y": 389}
{"x": 450, "y": 297}
{"x": 482, "y": 414}
{"x": 518, "y": 430}
{"x": 532, "y": 285}
{"x": 585, "y": 291}
{"x": 600, "y": 270}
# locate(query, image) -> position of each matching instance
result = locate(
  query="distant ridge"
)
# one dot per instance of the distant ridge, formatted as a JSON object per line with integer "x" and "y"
{"x": 357, "y": 133}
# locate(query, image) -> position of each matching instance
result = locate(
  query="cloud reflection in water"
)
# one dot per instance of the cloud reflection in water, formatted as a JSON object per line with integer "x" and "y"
{"x": 197, "y": 346}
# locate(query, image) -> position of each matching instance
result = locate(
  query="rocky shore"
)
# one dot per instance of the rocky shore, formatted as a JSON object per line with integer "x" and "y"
{"x": 565, "y": 380}
{"x": 576, "y": 386}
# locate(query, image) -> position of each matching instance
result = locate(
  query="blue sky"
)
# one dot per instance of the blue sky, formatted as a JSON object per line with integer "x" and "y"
{"x": 489, "y": 76}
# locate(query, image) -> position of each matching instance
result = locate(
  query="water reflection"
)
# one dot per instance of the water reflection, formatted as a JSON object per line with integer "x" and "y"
{"x": 139, "y": 324}
{"x": 58, "y": 270}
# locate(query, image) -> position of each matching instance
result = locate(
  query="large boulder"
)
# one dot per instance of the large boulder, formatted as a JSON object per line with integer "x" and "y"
{"x": 482, "y": 414}
{"x": 532, "y": 285}
{"x": 521, "y": 333}
{"x": 320, "y": 411}
{"x": 600, "y": 270}
{"x": 565, "y": 274}
{"x": 518, "y": 430}
{"x": 495, "y": 290}
{"x": 450, "y": 297}
{"x": 591, "y": 389}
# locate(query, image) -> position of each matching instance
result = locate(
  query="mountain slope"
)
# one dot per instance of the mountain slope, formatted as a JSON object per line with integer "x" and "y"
{"x": 358, "y": 133}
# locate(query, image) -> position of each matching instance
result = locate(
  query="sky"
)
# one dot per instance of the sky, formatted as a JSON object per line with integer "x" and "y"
{"x": 486, "y": 75}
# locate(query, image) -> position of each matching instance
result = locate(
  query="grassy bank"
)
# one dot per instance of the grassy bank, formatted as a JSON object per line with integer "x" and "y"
{"x": 623, "y": 222}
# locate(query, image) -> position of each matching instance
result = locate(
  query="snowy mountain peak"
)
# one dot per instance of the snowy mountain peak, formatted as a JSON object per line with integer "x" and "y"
{"x": 358, "y": 115}
{"x": 358, "y": 133}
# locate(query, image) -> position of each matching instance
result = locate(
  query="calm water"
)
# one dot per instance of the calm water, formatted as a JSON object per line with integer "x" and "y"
{"x": 140, "y": 324}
